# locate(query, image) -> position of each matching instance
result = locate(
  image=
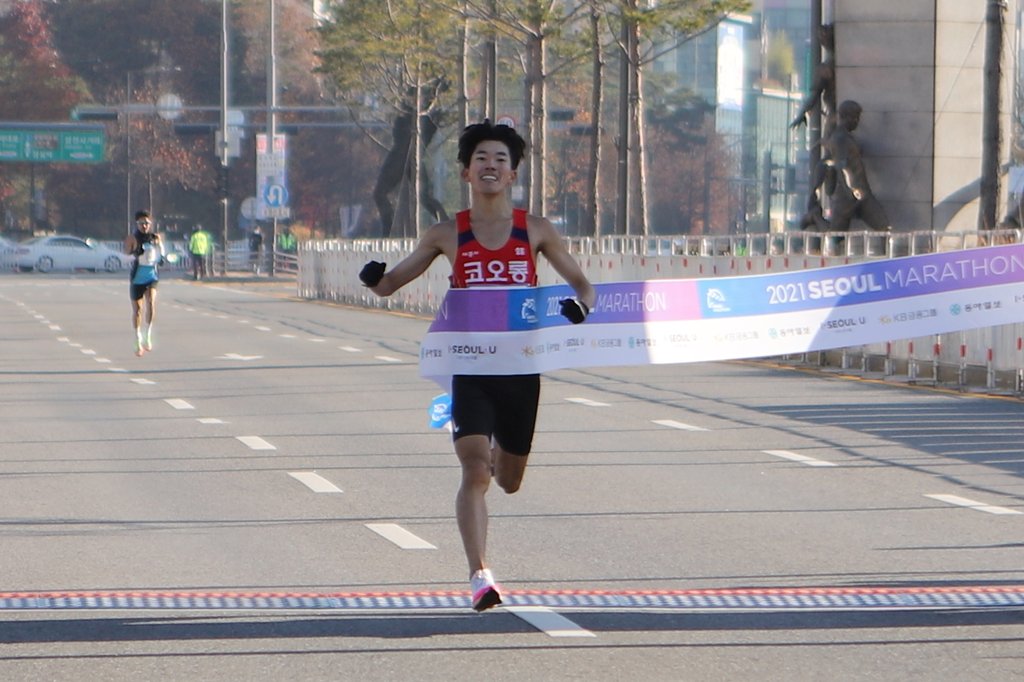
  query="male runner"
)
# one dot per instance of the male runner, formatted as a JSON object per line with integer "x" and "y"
{"x": 493, "y": 417}
{"x": 148, "y": 249}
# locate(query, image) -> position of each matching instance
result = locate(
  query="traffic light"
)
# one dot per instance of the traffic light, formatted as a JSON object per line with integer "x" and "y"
{"x": 222, "y": 182}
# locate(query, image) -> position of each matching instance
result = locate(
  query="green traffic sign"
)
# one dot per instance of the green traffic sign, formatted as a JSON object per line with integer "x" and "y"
{"x": 52, "y": 143}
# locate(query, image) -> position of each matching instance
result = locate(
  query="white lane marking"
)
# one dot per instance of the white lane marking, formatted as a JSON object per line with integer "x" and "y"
{"x": 255, "y": 443}
{"x": 673, "y": 424}
{"x": 179, "y": 404}
{"x": 55, "y": 327}
{"x": 350, "y": 349}
{"x": 287, "y": 336}
{"x": 236, "y": 356}
{"x": 400, "y": 536}
{"x": 314, "y": 482}
{"x": 387, "y": 358}
{"x": 972, "y": 504}
{"x": 75, "y": 345}
{"x": 210, "y": 420}
{"x": 317, "y": 340}
{"x": 144, "y": 382}
{"x": 803, "y": 459}
{"x": 263, "y": 329}
{"x": 587, "y": 402}
{"x": 104, "y": 361}
{"x": 63, "y": 339}
{"x": 550, "y": 623}
{"x": 118, "y": 369}
{"x": 87, "y": 351}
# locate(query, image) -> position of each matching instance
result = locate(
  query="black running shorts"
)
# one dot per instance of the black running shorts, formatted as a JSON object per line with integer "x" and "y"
{"x": 503, "y": 406}
{"x": 139, "y": 290}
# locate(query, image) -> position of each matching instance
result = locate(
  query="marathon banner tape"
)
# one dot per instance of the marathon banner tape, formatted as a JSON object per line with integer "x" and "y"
{"x": 518, "y": 330}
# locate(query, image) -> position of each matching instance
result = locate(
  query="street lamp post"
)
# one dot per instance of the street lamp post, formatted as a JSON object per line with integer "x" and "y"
{"x": 224, "y": 129}
{"x": 128, "y": 151}
{"x": 272, "y": 116}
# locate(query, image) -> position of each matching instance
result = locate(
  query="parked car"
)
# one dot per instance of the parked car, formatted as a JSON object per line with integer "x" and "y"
{"x": 65, "y": 252}
{"x": 7, "y": 250}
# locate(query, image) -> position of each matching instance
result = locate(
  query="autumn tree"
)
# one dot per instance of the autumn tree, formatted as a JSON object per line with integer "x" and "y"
{"x": 37, "y": 86}
{"x": 393, "y": 61}
{"x": 646, "y": 31}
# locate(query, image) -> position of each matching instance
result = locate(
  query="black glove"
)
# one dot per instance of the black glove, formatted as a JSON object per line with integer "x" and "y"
{"x": 574, "y": 310}
{"x": 372, "y": 273}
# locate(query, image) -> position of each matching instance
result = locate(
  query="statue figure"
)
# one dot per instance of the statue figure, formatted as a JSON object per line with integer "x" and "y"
{"x": 396, "y": 167}
{"x": 823, "y": 94}
{"x": 823, "y": 87}
{"x": 852, "y": 196}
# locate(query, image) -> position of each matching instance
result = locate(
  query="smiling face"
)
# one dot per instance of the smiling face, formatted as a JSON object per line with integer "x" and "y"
{"x": 490, "y": 168}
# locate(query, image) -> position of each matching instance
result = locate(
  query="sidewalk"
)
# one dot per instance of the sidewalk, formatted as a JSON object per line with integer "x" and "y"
{"x": 283, "y": 282}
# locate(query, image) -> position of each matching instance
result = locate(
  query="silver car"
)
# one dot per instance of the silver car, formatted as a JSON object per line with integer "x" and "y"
{"x": 65, "y": 252}
{"x": 7, "y": 250}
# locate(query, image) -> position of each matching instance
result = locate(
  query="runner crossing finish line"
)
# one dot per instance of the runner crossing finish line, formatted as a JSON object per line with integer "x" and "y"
{"x": 519, "y": 330}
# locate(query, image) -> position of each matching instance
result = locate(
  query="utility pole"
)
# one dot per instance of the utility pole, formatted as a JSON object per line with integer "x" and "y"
{"x": 127, "y": 154}
{"x": 272, "y": 116}
{"x": 223, "y": 170}
{"x": 990, "y": 115}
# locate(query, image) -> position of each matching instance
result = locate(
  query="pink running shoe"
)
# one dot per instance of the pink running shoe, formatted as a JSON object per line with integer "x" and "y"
{"x": 485, "y": 591}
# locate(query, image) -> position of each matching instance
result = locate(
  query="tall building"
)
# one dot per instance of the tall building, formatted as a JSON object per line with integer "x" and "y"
{"x": 752, "y": 72}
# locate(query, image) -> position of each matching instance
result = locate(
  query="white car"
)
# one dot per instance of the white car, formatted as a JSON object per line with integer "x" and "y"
{"x": 64, "y": 252}
{"x": 7, "y": 249}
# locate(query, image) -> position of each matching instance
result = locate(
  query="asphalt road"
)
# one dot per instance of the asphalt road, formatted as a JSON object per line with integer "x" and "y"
{"x": 260, "y": 498}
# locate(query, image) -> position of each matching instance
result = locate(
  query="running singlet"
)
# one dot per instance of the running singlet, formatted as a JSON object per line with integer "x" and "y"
{"x": 510, "y": 265}
{"x": 148, "y": 252}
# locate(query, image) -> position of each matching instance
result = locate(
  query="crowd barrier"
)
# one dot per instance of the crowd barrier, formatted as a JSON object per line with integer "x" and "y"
{"x": 990, "y": 359}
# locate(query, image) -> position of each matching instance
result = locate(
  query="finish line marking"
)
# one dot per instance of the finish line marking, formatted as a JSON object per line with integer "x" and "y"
{"x": 767, "y": 599}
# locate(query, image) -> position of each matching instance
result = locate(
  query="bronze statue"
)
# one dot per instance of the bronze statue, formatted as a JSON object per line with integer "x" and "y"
{"x": 823, "y": 95}
{"x": 852, "y": 196}
{"x": 823, "y": 87}
{"x": 396, "y": 171}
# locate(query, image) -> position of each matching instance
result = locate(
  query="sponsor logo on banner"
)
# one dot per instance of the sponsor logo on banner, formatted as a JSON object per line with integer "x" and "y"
{"x": 522, "y": 309}
{"x": 843, "y": 324}
{"x": 471, "y": 350}
{"x": 681, "y": 339}
{"x": 528, "y": 311}
{"x": 716, "y": 301}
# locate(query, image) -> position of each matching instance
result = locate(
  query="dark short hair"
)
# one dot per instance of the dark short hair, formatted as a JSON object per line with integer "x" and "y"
{"x": 139, "y": 215}
{"x": 474, "y": 134}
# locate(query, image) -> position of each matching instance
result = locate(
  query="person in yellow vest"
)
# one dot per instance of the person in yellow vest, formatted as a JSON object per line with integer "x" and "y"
{"x": 199, "y": 248}
{"x": 286, "y": 241}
